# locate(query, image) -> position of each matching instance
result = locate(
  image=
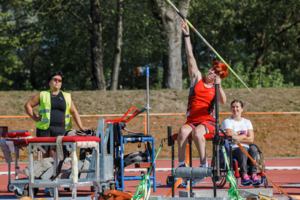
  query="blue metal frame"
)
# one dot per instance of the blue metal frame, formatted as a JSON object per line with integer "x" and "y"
{"x": 120, "y": 178}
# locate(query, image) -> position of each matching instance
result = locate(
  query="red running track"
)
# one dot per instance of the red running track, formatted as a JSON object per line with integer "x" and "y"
{"x": 282, "y": 178}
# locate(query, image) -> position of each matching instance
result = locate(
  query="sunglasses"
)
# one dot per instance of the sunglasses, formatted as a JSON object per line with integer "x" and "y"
{"x": 56, "y": 80}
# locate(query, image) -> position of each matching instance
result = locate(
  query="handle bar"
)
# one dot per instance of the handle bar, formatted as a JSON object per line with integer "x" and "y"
{"x": 136, "y": 112}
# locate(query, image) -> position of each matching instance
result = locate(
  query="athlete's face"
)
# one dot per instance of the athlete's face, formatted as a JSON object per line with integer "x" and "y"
{"x": 236, "y": 109}
{"x": 210, "y": 76}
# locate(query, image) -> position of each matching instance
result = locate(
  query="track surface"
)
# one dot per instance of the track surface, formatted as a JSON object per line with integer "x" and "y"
{"x": 282, "y": 178}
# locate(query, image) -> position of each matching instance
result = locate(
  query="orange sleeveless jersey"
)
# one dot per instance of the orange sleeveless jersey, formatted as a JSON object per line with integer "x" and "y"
{"x": 201, "y": 103}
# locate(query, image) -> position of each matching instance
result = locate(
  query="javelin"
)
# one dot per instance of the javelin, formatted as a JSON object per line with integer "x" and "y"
{"x": 203, "y": 39}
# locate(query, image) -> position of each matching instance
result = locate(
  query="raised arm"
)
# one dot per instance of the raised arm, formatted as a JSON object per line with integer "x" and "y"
{"x": 194, "y": 72}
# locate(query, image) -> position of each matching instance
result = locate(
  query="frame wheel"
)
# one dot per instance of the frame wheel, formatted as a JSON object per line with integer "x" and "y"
{"x": 220, "y": 184}
{"x": 10, "y": 187}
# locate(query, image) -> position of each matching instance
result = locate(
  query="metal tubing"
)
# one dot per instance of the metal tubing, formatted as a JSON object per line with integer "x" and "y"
{"x": 170, "y": 141}
{"x": 148, "y": 106}
{"x": 217, "y": 132}
{"x": 187, "y": 172}
{"x": 190, "y": 155}
{"x": 122, "y": 164}
{"x": 31, "y": 173}
{"x": 154, "y": 166}
{"x": 55, "y": 168}
{"x": 230, "y": 155}
{"x": 9, "y": 169}
{"x": 16, "y": 161}
{"x": 172, "y": 144}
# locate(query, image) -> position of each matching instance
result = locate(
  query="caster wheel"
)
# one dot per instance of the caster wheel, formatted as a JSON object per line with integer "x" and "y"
{"x": 266, "y": 184}
{"x": 51, "y": 190}
{"x": 24, "y": 194}
{"x": 104, "y": 190}
{"x": 112, "y": 186}
{"x": 92, "y": 189}
{"x": 35, "y": 191}
{"x": 10, "y": 187}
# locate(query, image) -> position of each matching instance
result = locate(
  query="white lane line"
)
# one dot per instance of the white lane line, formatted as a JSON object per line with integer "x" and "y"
{"x": 6, "y": 173}
{"x": 169, "y": 169}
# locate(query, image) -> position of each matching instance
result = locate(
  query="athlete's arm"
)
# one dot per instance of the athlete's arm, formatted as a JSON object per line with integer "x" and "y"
{"x": 34, "y": 101}
{"x": 194, "y": 72}
{"x": 221, "y": 93}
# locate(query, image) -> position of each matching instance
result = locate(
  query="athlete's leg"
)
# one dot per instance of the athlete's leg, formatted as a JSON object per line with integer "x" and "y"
{"x": 199, "y": 140}
{"x": 182, "y": 140}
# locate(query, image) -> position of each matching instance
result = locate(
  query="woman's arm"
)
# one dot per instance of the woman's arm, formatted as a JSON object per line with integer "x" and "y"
{"x": 221, "y": 93}
{"x": 76, "y": 116}
{"x": 194, "y": 72}
{"x": 34, "y": 101}
{"x": 247, "y": 139}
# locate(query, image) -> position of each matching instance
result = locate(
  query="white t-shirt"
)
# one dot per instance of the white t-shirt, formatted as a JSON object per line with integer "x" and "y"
{"x": 238, "y": 128}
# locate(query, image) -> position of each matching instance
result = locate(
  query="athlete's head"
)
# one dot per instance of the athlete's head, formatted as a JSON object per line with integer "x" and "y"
{"x": 237, "y": 108}
{"x": 220, "y": 69}
{"x": 210, "y": 75}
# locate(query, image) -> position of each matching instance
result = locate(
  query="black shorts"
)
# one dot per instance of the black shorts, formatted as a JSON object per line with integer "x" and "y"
{"x": 52, "y": 131}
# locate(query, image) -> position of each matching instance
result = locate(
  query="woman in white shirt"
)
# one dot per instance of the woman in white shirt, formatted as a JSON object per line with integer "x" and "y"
{"x": 242, "y": 130}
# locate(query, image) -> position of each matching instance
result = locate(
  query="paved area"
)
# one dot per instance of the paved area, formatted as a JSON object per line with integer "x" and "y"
{"x": 288, "y": 179}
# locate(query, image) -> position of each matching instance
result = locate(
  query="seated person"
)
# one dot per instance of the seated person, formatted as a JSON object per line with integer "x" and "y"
{"x": 242, "y": 130}
{"x": 200, "y": 109}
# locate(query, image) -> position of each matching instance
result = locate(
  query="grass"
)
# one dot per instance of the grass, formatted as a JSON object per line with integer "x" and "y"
{"x": 270, "y": 131}
{"x": 161, "y": 101}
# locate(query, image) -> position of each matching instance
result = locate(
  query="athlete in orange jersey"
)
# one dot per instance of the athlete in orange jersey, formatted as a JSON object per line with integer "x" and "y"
{"x": 200, "y": 118}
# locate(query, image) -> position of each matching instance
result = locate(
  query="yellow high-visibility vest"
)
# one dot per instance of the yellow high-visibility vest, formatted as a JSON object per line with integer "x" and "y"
{"x": 45, "y": 109}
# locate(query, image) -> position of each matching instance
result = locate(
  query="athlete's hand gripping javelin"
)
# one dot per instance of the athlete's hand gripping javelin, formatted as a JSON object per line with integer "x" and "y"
{"x": 185, "y": 27}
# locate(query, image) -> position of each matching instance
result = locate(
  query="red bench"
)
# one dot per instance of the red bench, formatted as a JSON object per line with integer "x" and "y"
{"x": 64, "y": 139}
{"x": 208, "y": 137}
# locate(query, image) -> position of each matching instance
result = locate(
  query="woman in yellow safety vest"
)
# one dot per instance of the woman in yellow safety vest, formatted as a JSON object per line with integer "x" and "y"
{"x": 55, "y": 109}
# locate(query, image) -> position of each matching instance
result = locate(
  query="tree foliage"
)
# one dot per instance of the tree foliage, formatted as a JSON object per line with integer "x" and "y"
{"x": 258, "y": 39}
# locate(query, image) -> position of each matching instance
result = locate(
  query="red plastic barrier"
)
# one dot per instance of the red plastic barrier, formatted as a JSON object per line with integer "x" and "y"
{"x": 122, "y": 119}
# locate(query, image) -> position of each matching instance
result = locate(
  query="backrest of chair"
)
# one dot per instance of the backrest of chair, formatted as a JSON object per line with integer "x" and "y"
{"x": 3, "y": 132}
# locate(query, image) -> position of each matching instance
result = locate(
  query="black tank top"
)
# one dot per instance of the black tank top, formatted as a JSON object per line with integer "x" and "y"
{"x": 58, "y": 109}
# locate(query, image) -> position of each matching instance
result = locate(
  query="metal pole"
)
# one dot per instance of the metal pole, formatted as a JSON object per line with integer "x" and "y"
{"x": 148, "y": 107}
{"x": 217, "y": 132}
{"x": 191, "y": 165}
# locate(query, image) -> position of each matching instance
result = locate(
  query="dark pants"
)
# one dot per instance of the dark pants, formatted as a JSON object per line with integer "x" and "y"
{"x": 243, "y": 160}
{"x": 52, "y": 131}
